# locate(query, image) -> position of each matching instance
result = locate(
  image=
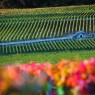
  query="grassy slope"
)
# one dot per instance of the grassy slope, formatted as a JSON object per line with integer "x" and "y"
{"x": 67, "y": 9}
{"x": 50, "y": 57}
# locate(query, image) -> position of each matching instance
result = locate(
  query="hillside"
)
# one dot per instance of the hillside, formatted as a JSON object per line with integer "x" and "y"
{"x": 44, "y": 23}
{"x": 66, "y": 9}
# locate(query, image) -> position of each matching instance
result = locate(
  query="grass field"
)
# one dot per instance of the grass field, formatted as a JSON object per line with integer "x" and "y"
{"x": 67, "y": 9}
{"x": 49, "y": 57}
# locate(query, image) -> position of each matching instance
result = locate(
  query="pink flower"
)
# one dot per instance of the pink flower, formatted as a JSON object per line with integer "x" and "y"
{"x": 82, "y": 67}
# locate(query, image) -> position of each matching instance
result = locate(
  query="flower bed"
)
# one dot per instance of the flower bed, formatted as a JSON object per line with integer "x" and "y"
{"x": 68, "y": 77}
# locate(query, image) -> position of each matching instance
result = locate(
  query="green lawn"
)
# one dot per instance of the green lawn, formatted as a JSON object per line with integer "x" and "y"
{"x": 49, "y": 57}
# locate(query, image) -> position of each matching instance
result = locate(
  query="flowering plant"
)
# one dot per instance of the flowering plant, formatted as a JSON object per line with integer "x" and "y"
{"x": 68, "y": 77}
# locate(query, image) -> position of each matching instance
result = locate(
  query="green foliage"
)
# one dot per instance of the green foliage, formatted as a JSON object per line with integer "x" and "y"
{"x": 49, "y": 10}
{"x": 49, "y": 57}
{"x": 44, "y": 25}
{"x": 30, "y": 27}
{"x": 61, "y": 45}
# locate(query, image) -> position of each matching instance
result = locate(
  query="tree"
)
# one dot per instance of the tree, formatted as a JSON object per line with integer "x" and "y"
{"x": 41, "y": 3}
